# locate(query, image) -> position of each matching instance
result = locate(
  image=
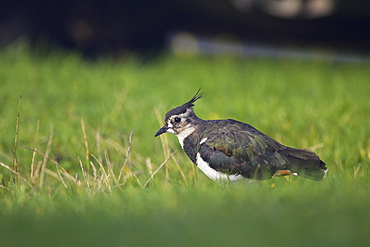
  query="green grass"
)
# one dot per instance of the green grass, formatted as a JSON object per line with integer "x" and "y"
{"x": 88, "y": 183}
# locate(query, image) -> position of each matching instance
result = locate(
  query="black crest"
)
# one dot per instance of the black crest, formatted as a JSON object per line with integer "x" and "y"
{"x": 197, "y": 96}
{"x": 182, "y": 109}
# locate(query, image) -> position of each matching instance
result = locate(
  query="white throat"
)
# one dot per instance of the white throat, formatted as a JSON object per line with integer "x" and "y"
{"x": 183, "y": 134}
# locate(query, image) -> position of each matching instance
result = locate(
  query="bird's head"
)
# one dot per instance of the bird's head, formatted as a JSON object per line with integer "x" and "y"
{"x": 180, "y": 119}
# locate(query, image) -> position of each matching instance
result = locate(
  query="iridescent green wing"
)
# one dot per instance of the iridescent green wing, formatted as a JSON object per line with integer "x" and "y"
{"x": 237, "y": 148}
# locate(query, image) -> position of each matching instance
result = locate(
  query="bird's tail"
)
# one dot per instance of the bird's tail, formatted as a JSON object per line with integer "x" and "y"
{"x": 305, "y": 163}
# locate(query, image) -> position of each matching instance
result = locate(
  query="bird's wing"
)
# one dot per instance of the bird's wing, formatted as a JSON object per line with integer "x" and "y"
{"x": 237, "y": 148}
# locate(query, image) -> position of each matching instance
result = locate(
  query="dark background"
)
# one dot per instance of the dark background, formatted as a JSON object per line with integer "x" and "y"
{"x": 144, "y": 26}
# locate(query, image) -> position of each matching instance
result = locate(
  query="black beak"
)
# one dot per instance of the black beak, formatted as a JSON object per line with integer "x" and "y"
{"x": 161, "y": 131}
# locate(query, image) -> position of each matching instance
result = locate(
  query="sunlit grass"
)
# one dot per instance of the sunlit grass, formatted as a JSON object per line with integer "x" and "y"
{"x": 86, "y": 164}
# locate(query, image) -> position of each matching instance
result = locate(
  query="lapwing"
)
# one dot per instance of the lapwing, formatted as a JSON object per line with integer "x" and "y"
{"x": 232, "y": 150}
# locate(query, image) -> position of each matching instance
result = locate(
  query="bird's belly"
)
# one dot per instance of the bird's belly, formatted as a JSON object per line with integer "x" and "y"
{"x": 216, "y": 175}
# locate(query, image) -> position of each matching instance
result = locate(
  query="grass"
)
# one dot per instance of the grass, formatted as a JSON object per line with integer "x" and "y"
{"x": 84, "y": 168}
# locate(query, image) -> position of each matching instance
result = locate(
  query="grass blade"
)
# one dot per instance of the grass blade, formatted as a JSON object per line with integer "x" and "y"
{"x": 157, "y": 170}
{"x": 15, "y": 160}
{"x": 16, "y": 173}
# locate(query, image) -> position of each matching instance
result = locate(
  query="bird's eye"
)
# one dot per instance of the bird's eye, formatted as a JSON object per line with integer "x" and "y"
{"x": 177, "y": 119}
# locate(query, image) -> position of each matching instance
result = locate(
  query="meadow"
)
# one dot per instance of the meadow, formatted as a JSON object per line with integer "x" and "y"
{"x": 79, "y": 164}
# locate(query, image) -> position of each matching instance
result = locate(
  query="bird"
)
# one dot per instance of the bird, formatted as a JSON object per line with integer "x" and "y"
{"x": 229, "y": 150}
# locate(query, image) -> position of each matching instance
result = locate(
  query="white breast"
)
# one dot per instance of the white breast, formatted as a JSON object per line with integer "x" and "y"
{"x": 213, "y": 174}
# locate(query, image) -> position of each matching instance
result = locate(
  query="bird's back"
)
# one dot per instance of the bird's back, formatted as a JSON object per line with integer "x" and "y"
{"x": 233, "y": 147}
